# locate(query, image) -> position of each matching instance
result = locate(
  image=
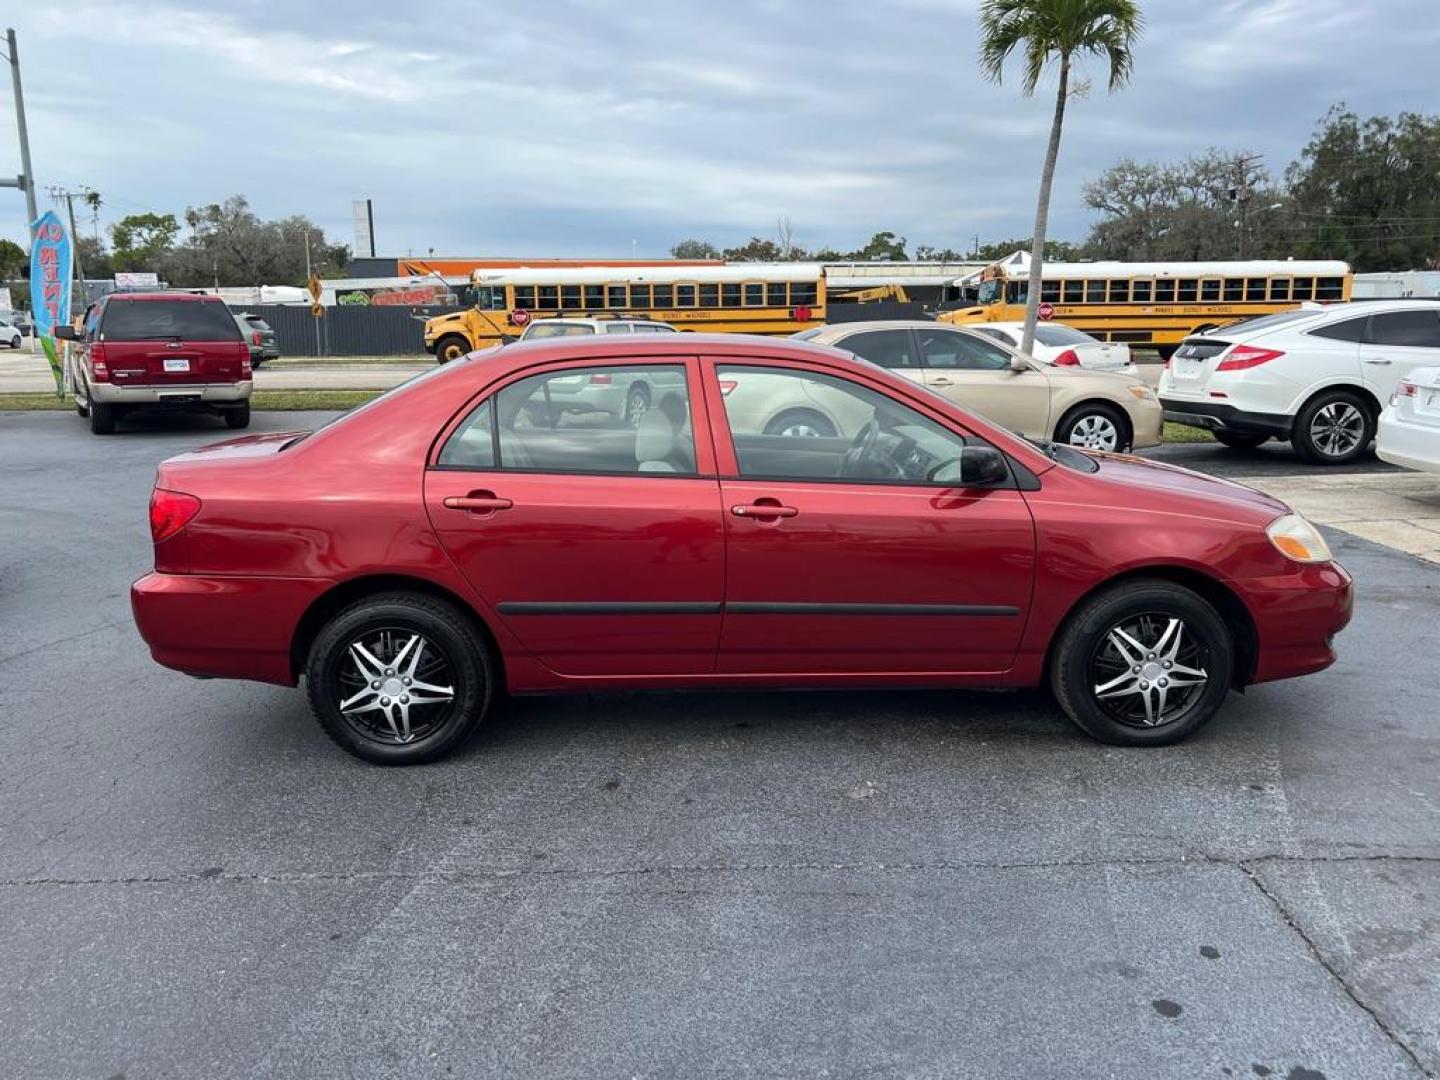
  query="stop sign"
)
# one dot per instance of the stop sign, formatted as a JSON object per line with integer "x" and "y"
{"x": 1046, "y": 311}
{"x": 520, "y": 317}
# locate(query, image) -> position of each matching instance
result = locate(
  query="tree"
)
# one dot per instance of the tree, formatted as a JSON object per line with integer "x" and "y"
{"x": 694, "y": 249}
{"x": 142, "y": 241}
{"x": 90, "y": 253}
{"x": 884, "y": 247}
{"x": 12, "y": 258}
{"x": 1055, "y": 250}
{"x": 1063, "y": 30}
{"x": 230, "y": 245}
{"x": 756, "y": 249}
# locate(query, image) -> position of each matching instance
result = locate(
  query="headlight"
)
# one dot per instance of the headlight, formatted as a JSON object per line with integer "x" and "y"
{"x": 1297, "y": 539}
{"x": 1142, "y": 392}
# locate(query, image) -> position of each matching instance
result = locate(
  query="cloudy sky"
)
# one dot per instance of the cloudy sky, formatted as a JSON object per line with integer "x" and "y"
{"x": 581, "y": 127}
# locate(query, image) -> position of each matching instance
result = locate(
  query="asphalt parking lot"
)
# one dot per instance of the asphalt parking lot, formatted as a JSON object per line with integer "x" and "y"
{"x": 196, "y": 883}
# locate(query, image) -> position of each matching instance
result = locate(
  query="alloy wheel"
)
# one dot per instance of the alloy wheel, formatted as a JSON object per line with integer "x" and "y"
{"x": 1149, "y": 670}
{"x": 636, "y": 406}
{"x": 1337, "y": 428}
{"x": 396, "y": 686}
{"x": 1095, "y": 432}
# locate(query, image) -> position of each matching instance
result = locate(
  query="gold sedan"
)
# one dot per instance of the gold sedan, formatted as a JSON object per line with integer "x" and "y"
{"x": 1096, "y": 410}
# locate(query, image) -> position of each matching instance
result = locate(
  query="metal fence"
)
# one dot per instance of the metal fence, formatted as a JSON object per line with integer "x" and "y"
{"x": 347, "y": 331}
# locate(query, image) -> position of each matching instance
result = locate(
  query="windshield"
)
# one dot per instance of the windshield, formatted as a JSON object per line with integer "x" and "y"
{"x": 988, "y": 293}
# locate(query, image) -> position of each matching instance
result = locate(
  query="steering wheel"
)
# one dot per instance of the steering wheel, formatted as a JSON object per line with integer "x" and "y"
{"x": 861, "y": 448}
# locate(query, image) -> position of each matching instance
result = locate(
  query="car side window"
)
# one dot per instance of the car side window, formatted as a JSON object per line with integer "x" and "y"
{"x": 888, "y": 348}
{"x": 952, "y": 350}
{"x": 997, "y": 335}
{"x": 804, "y": 425}
{"x": 605, "y": 420}
{"x": 617, "y": 328}
{"x": 1417, "y": 329}
{"x": 1349, "y": 330}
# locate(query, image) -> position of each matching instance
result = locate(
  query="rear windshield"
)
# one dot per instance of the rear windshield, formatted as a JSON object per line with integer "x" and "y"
{"x": 1051, "y": 334}
{"x": 168, "y": 320}
{"x": 257, "y": 323}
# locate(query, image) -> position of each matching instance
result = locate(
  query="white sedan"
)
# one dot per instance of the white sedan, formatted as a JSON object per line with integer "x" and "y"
{"x": 1409, "y": 430}
{"x": 1056, "y": 343}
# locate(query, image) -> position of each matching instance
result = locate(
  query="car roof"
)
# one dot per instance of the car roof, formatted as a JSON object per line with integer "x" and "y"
{"x": 835, "y": 330}
{"x": 537, "y": 350}
{"x": 205, "y": 298}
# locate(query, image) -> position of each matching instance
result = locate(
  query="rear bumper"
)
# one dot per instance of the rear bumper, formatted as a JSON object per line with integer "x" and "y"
{"x": 1413, "y": 446}
{"x": 1297, "y": 616}
{"x": 1217, "y": 417}
{"x": 172, "y": 395}
{"x": 223, "y": 627}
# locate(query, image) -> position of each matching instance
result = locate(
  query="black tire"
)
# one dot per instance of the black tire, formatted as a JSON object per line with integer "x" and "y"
{"x": 103, "y": 417}
{"x": 331, "y": 673}
{"x": 802, "y": 423}
{"x": 1349, "y": 435}
{"x": 238, "y": 418}
{"x": 451, "y": 347}
{"x": 1085, "y": 652}
{"x": 1098, "y": 412}
{"x": 1239, "y": 440}
{"x": 637, "y": 404}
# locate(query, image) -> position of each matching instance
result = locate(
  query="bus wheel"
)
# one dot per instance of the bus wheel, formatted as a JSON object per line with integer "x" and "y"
{"x": 451, "y": 348}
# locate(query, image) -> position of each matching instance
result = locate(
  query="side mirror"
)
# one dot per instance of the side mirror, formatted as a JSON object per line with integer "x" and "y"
{"x": 1019, "y": 363}
{"x": 67, "y": 333}
{"x": 977, "y": 466}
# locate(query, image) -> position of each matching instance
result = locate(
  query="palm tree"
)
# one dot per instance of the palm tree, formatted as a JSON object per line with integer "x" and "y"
{"x": 1046, "y": 30}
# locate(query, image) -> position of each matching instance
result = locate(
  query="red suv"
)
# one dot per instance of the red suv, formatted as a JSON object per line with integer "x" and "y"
{"x": 161, "y": 350}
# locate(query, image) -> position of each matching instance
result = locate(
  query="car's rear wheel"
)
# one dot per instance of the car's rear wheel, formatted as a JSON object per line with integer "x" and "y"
{"x": 802, "y": 423}
{"x": 1144, "y": 663}
{"x": 398, "y": 678}
{"x": 1094, "y": 426}
{"x": 103, "y": 417}
{"x": 451, "y": 348}
{"x": 1240, "y": 441}
{"x": 238, "y": 418}
{"x": 1334, "y": 428}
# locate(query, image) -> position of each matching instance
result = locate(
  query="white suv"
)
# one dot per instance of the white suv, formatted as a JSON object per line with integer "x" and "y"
{"x": 1317, "y": 377}
{"x": 579, "y": 326}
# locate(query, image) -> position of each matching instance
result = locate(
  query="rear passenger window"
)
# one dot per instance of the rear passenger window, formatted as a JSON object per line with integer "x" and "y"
{"x": 954, "y": 350}
{"x": 602, "y": 420}
{"x": 1416, "y": 329}
{"x": 888, "y": 348}
{"x": 1349, "y": 330}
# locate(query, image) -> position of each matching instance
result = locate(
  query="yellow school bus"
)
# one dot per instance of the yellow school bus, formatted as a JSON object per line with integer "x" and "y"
{"x": 1150, "y": 305}
{"x": 753, "y": 298}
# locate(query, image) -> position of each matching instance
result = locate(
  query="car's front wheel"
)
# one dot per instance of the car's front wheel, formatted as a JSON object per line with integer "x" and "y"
{"x": 1094, "y": 426}
{"x": 1334, "y": 428}
{"x": 398, "y": 678}
{"x": 1144, "y": 663}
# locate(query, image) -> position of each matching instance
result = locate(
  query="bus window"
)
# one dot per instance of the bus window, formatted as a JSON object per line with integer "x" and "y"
{"x": 595, "y": 296}
{"x": 1304, "y": 289}
{"x": 1234, "y": 290}
{"x": 804, "y": 293}
{"x": 570, "y": 297}
{"x": 1280, "y": 289}
{"x": 549, "y": 298}
{"x": 709, "y": 295}
{"x": 664, "y": 296}
{"x": 1210, "y": 291}
{"x": 1255, "y": 288}
{"x": 775, "y": 294}
{"x": 988, "y": 293}
{"x": 754, "y": 294}
{"x": 684, "y": 295}
{"x": 1164, "y": 292}
{"x": 524, "y": 296}
{"x": 1074, "y": 292}
{"x": 1329, "y": 288}
{"x": 1142, "y": 291}
{"x": 615, "y": 296}
{"x": 1050, "y": 292}
{"x": 1016, "y": 292}
{"x": 490, "y": 297}
{"x": 1095, "y": 292}
{"x": 640, "y": 297}
{"x": 730, "y": 294}
{"x": 1119, "y": 291}
{"x": 1187, "y": 291}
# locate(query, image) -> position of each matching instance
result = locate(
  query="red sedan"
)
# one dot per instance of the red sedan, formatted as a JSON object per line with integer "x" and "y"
{"x": 695, "y": 511}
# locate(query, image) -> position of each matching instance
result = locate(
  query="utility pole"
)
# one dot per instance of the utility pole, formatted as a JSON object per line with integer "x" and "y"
{"x": 1241, "y": 195}
{"x": 58, "y": 193}
{"x": 26, "y": 179}
{"x": 315, "y": 300}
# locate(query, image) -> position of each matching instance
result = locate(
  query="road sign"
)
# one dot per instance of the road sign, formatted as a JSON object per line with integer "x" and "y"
{"x": 314, "y": 287}
{"x": 520, "y": 317}
{"x": 1046, "y": 311}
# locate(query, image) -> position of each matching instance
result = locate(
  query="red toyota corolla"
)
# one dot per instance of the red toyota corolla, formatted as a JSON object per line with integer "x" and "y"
{"x": 695, "y": 511}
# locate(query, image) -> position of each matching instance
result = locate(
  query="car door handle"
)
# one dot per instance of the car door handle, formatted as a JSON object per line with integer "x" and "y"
{"x": 1376, "y": 360}
{"x": 941, "y": 382}
{"x": 477, "y": 502}
{"x": 764, "y": 510}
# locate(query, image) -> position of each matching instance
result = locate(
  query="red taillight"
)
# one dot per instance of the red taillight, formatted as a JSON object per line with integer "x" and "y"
{"x": 600, "y": 380}
{"x": 1067, "y": 359}
{"x": 1244, "y": 357}
{"x": 1404, "y": 390}
{"x": 99, "y": 370}
{"x": 246, "y": 370}
{"x": 255, "y": 338}
{"x": 170, "y": 511}
{"x": 726, "y": 385}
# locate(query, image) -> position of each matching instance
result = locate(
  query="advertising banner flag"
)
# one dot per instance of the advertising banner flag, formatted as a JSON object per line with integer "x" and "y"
{"x": 50, "y": 268}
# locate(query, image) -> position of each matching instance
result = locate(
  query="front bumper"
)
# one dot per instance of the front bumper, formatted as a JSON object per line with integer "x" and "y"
{"x": 1148, "y": 420}
{"x": 1297, "y": 616}
{"x": 174, "y": 395}
{"x": 1214, "y": 416}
